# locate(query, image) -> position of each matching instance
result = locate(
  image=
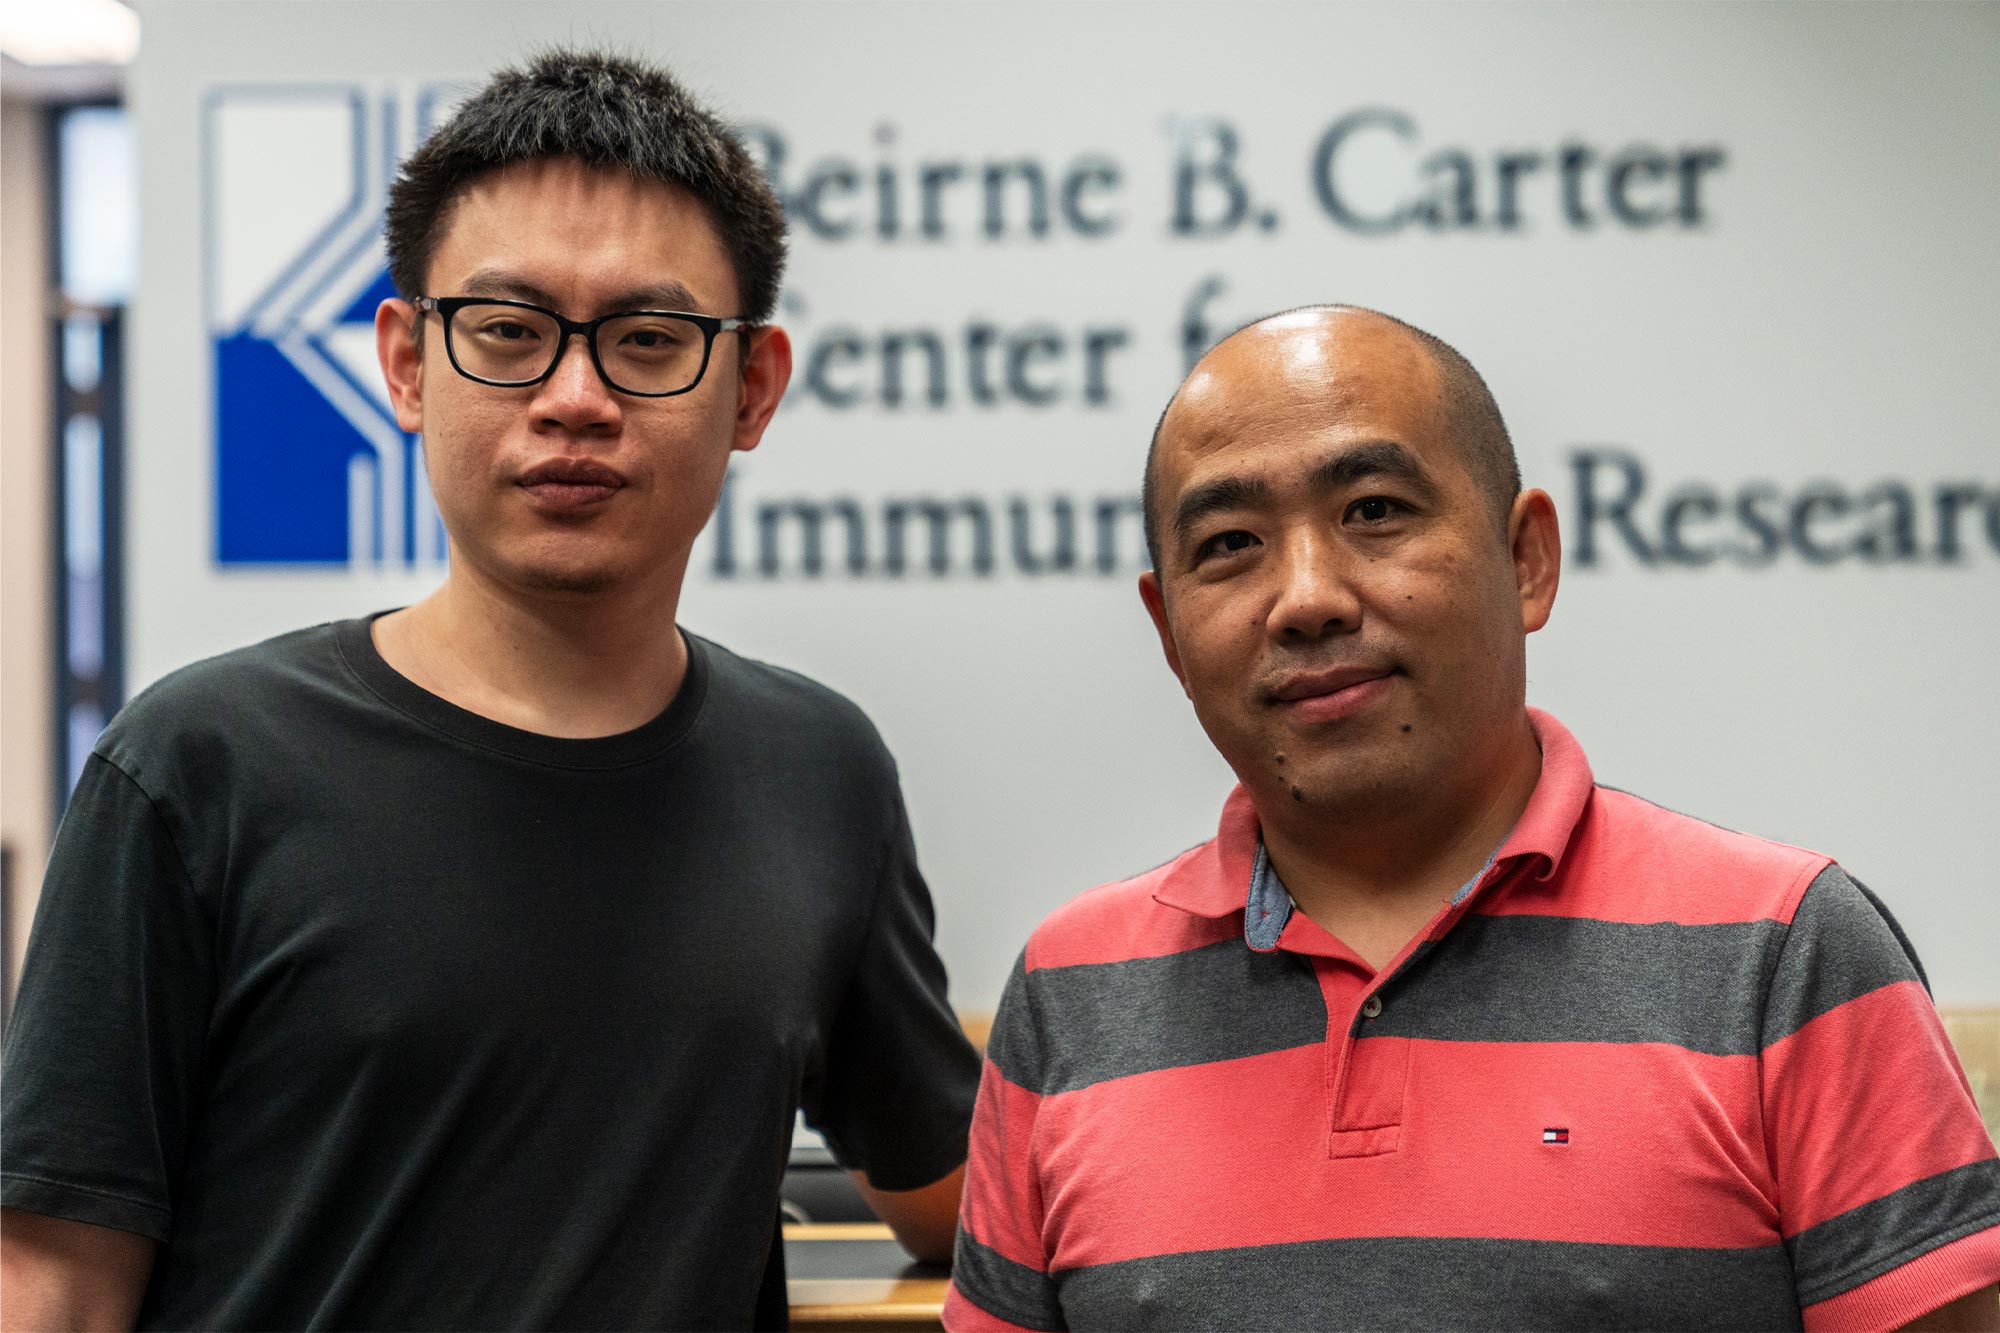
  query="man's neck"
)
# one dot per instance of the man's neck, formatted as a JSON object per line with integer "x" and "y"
{"x": 560, "y": 665}
{"x": 1374, "y": 878}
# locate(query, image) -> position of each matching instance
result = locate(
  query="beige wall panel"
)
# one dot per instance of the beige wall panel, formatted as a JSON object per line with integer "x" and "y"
{"x": 24, "y": 513}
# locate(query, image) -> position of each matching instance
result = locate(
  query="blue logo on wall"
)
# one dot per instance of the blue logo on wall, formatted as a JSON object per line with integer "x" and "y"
{"x": 310, "y": 466}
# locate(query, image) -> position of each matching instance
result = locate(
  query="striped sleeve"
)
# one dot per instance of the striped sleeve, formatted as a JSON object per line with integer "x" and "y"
{"x": 1000, "y": 1277}
{"x": 1889, "y": 1189}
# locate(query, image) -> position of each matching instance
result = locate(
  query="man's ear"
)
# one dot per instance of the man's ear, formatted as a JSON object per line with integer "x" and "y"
{"x": 402, "y": 361}
{"x": 1535, "y": 538}
{"x": 1155, "y": 599}
{"x": 767, "y": 369}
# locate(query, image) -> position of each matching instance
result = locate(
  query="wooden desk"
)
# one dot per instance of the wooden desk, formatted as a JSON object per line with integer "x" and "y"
{"x": 854, "y": 1276}
{"x": 1975, "y": 1034}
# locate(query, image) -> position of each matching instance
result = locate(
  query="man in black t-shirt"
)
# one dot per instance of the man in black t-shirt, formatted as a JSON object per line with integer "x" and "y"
{"x": 464, "y": 966}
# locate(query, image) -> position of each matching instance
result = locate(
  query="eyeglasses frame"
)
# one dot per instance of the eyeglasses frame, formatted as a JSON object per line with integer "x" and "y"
{"x": 447, "y": 306}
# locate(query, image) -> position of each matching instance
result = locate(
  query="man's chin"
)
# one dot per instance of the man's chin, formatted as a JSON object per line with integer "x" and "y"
{"x": 547, "y": 568}
{"x": 573, "y": 580}
{"x": 1352, "y": 784}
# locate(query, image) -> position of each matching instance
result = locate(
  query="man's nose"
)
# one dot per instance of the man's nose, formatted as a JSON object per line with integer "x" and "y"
{"x": 1316, "y": 596}
{"x": 575, "y": 397}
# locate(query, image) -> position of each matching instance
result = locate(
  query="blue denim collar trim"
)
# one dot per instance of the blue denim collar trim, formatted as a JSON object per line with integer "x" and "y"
{"x": 1473, "y": 883}
{"x": 1269, "y": 905}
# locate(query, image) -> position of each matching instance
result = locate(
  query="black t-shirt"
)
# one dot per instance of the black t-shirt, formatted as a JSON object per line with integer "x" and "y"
{"x": 375, "y": 1012}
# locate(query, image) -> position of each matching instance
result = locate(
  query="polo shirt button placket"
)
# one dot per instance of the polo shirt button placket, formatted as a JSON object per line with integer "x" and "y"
{"x": 1368, "y": 1097}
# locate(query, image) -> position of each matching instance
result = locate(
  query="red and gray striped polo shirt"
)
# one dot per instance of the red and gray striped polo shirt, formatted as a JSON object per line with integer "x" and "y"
{"x": 1643, "y": 1073}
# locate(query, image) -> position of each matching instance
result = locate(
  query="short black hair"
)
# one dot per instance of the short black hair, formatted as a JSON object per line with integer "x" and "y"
{"x": 604, "y": 110}
{"x": 1472, "y": 421}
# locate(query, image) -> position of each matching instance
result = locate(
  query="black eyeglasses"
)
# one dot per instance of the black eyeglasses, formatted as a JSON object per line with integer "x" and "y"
{"x": 511, "y": 344}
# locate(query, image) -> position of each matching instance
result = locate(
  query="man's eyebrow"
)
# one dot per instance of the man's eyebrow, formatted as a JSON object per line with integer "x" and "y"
{"x": 658, "y": 296}
{"x": 1211, "y": 497}
{"x": 655, "y": 296}
{"x": 1377, "y": 458}
{"x": 1350, "y": 467}
{"x": 499, "y": 282}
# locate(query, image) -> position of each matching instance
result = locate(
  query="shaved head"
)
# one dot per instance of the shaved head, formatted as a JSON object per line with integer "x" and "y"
{"x": 1467, "y": 414}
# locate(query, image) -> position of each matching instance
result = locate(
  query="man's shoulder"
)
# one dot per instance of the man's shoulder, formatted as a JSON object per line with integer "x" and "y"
{"x": 782, "y": 705}
{"x": 1669, "y": 864}
{"x": 1123, "y": 920}
{"x": 222, "y": 694}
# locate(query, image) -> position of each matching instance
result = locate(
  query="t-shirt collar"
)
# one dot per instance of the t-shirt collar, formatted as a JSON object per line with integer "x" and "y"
{"x": 1215, "y": 879}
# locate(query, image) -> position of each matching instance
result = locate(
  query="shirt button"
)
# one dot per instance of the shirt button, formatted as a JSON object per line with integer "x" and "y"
{"x": 1372, "y": 1007}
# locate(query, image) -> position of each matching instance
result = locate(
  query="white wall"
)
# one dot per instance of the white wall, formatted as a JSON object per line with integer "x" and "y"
{"x": 1819, "y": 313}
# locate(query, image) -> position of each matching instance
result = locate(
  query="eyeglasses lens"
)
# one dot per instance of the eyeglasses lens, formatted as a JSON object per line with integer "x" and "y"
{"x": 650, "y": 353}
{"x": 503, "y": 342}
{"x": 639, "y": 353}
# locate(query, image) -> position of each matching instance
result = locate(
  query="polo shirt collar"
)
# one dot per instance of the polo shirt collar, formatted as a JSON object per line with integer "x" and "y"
{"x": 1216, "y": 878}
{"x": 1561, "y": 795}
{"x": 1211, "y": 879}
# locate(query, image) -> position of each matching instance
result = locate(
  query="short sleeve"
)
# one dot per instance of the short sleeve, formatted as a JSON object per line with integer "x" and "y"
{"x": 104, "y": 1050}
{"x": 1889, "y": 1189}
{"x": 1000, "y": 1277}
{"x": 896, "y": 1097}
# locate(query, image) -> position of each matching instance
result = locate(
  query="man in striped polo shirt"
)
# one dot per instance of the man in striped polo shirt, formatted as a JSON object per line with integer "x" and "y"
{"x": 1436, "y": 1031}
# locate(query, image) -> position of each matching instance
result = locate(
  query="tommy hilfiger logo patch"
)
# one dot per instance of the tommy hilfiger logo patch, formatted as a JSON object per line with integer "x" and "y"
{"x": 1556, "y": 1134}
